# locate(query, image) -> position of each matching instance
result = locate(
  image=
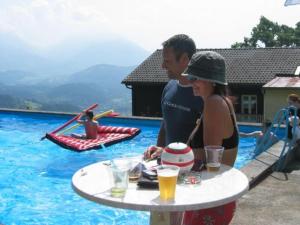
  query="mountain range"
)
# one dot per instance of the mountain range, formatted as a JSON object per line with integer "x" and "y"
{"x": 67, "y": 57}
{"x": 69, "y": 76}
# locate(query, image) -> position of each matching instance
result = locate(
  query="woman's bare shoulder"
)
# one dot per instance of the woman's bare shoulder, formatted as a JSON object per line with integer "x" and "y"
{"x": 216, "y": 101}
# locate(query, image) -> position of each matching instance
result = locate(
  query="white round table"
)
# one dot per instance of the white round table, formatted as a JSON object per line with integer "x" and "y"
{"x": 94, "y": 182}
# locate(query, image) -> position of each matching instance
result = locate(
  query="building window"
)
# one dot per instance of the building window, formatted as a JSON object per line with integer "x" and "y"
{"x": 249, "y": 104}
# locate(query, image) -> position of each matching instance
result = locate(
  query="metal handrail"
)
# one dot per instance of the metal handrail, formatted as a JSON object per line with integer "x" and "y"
{"x": 266, "y": 139}
{"x": 287, "y": 142}
{"x": 281, "y": 117}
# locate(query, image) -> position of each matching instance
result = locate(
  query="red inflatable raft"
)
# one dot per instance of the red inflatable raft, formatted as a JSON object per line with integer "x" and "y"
{"x": 107, "y": 135}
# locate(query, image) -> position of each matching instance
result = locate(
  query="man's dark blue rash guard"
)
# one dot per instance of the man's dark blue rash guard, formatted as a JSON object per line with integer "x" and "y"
{"x": 180, "y": 110}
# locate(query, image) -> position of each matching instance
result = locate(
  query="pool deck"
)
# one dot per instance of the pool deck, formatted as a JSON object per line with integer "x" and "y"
{"x": 274, "y": 197}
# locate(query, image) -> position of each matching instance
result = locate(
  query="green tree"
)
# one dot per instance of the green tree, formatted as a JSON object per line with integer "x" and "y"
{"x": 297, "y": 34}
{"x": 271, "y": 34}
{"x": 286, "y": 36}
{"x": 244, "y": 44}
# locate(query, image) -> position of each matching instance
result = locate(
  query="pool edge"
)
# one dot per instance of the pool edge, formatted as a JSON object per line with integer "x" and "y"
{"x": 262, "y": 165}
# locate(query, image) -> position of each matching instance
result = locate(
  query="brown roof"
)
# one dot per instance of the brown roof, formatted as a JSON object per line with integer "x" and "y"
{"x": 243, "y": 66}
{"x": 284, "y": 82}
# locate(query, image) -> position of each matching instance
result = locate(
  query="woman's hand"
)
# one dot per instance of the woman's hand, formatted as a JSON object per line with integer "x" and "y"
{"x": 152, "y": 152}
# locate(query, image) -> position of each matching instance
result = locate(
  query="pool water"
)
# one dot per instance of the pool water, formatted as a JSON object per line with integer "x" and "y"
{"x": 35, "y": 176}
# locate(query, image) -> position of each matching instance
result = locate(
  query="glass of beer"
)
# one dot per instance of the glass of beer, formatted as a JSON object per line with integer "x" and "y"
{"x": 213, "y": 155}
{"x": 167, "y": 179}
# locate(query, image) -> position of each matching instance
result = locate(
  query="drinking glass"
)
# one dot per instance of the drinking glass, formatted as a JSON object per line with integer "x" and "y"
{"x": 120, "y": 171}
{"x": 167, "y": 179}
{"x": 136, "y": 167}
{"x": 213, "y": 155}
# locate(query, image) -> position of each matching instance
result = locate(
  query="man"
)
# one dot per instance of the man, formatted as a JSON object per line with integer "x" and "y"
{"x": 180, "y": 108}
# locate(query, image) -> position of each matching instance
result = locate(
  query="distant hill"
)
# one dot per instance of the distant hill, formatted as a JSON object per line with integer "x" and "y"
{"x": 13, "y": 77}
{"x": 69, "y": 76}
{"x": 76, "y": 55}
{"x": 8, "y": 101}
{"x": 97, "y": 84}
{"x": 77, "y": 94}
{"x": 32, "y": 97}
{"x": 102, "y": 74}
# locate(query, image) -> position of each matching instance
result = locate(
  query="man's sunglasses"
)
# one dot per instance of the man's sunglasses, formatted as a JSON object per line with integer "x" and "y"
{"x": 192, "y": 78}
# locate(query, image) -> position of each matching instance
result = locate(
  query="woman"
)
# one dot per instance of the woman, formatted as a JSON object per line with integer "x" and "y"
{"x": 206, "y": 73}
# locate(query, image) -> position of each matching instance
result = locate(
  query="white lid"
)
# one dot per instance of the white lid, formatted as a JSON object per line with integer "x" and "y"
{"x": 177, "y": 146}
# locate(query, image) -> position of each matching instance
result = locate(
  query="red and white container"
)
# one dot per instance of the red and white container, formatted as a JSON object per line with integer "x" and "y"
{"x": 178, "y": 154}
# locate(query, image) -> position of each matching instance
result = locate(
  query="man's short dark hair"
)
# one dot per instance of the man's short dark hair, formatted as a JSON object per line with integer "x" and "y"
{"x": 181, "y": 43}
{"x": 89, "y": 114}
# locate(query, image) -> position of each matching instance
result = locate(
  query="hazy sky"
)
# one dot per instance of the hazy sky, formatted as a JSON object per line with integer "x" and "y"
{"x": 211, "y": 23}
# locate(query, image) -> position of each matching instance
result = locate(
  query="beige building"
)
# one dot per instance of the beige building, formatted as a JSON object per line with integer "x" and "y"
{"x": 276, "y": 92}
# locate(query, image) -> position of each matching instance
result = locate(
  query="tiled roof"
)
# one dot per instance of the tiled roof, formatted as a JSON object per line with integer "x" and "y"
{"x": 243, "y": 66}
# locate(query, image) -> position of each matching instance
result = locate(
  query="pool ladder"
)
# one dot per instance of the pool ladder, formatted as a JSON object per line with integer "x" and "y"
{"x": 281, "y": 117}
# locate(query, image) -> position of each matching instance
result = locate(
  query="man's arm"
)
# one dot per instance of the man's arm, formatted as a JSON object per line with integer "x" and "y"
{"x": 154, "y": 151}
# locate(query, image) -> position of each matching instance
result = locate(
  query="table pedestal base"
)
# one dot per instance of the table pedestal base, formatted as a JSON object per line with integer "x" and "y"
{"x": 166, "y": 218}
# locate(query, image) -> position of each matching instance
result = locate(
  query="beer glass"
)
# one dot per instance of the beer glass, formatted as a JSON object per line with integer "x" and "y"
{"x": 167, "y": 179}
{"x": 213, "y": 155}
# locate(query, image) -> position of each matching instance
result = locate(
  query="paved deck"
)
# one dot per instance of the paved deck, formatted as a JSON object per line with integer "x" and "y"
{"x": 275, "y": 201}
{"x": 274, "y": 198}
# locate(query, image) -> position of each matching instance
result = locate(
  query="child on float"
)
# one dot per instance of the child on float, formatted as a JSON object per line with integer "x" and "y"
{"x": 90, "y": 125}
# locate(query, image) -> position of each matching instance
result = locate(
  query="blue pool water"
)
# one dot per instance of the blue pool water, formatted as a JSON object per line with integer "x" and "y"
{"x": 35, "y": 175}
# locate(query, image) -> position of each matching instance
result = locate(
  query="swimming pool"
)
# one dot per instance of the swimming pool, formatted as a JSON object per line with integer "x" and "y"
{"x": 35, "y": 175}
